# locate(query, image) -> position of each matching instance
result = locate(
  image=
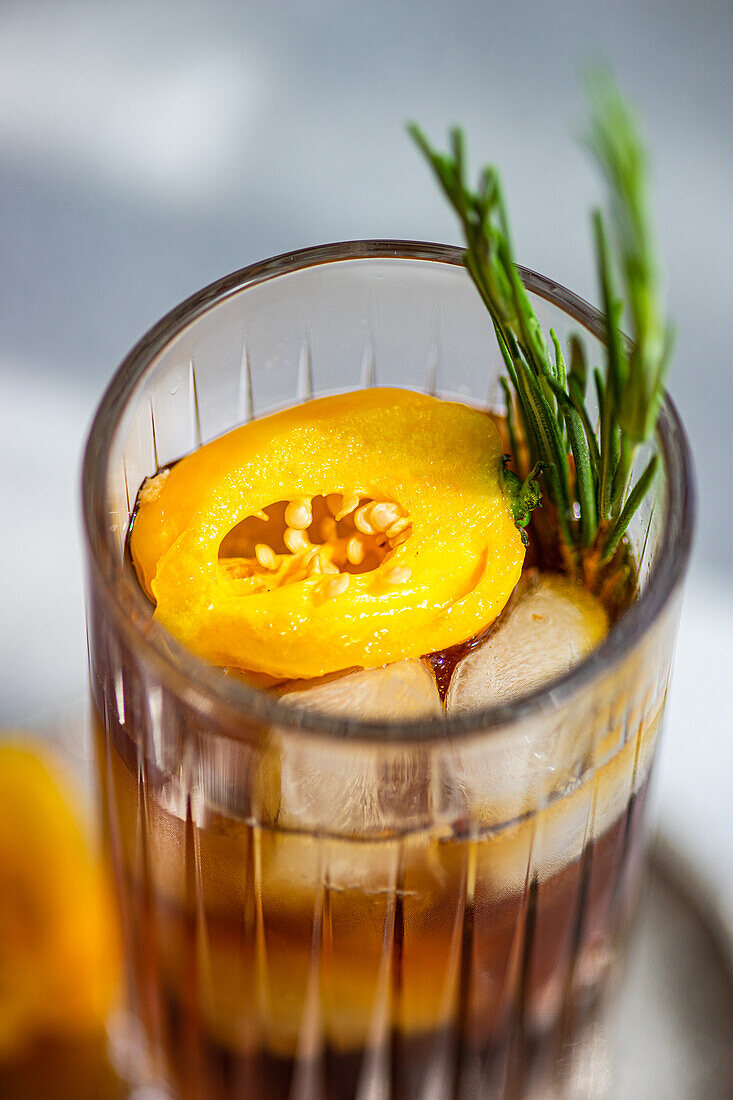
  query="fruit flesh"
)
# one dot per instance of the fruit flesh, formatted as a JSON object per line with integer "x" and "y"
{"x": 403, "y": 457}
{"x": 58, "y": 951}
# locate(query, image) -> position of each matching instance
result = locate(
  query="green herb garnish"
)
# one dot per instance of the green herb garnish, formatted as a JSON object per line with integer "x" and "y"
{"x": 586, "y": 463}
{"x": 523, "y": 496}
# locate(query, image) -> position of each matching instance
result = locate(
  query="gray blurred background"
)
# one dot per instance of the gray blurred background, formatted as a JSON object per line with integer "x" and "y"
{"x": 150, "y": 146}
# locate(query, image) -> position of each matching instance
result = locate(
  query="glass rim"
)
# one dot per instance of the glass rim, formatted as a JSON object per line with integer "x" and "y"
{"x": 205, "y": 685}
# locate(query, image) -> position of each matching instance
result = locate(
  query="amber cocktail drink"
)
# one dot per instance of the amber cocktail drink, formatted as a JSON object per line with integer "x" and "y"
{"x": 342, "y": 899}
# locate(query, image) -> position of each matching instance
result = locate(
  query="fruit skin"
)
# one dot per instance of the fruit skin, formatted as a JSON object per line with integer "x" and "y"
{"x": 439, "y": 460}
{"x": 59, "y": 954}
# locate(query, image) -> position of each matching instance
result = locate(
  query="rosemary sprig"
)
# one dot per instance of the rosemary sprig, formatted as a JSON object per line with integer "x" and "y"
{"x": 586, "y": 463}
{"x": 523, "y": 496}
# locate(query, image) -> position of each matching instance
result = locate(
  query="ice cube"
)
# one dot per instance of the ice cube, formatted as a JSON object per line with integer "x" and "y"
{"x": 553, "y": 624}
{"x": 401, "y": 691}
{"x": 341, "y": 786}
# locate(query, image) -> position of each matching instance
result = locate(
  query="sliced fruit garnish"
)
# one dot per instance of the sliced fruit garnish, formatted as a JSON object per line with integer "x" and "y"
{"x": 349, "y": 531}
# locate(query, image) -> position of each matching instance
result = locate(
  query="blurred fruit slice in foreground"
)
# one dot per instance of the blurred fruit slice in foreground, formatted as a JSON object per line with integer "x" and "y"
{"x": 59, "y": 961}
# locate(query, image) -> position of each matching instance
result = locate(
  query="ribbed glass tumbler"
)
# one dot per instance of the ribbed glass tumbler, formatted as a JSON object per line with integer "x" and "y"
{"x": 316, "y": 909}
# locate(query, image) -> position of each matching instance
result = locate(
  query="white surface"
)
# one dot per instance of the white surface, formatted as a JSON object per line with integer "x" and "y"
{"x": 670, "y": 1027}
{"x": 42, "y": 640}
{"x": 694, "y": 796}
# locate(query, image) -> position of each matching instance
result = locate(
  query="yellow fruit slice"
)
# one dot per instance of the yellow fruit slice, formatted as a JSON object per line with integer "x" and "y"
{"x": 349, "y": 531}
{"x": 58, "y": 948}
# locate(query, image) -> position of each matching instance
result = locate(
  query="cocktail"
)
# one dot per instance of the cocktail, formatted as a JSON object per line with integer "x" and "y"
{"x": 382, "y": 878}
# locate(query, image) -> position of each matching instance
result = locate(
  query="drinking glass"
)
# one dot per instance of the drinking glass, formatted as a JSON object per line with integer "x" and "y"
{"x": 316, "y": 908}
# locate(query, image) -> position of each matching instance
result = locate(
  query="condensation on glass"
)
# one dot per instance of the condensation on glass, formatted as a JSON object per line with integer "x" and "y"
{"x": 321, "y": 910}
